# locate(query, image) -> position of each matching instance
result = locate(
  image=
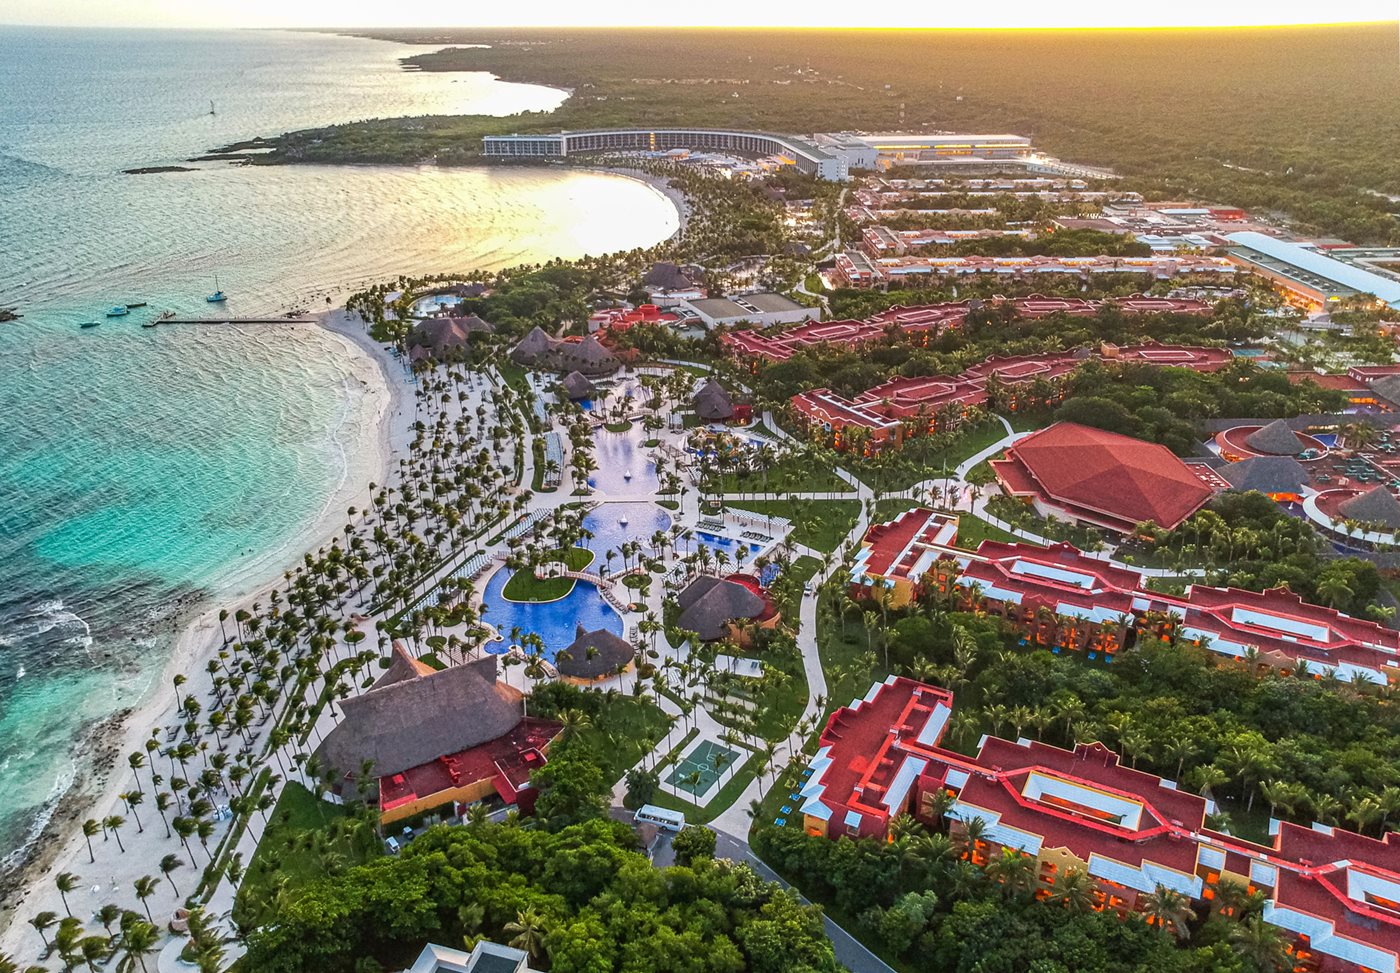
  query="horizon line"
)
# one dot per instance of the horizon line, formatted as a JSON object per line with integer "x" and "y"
{"x": 805, "y": 28}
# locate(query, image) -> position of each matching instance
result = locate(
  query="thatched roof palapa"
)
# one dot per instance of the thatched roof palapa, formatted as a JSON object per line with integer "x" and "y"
{"x": 413, "y": 715}
{"x": 709, "y": 604}
{"x": 1388, "y": 388}
{"x": 593, "y": 654}
{"x": 532, "y": 348}
{"x": 443, "y": 336}
{"x": 713, "y": 402}
{"x": 665, "y": 276}
{"x": 1267, "y": 474}
{"x": 1275, "y": 439}
{"x": 1376, "y": 506}
{"x": 576, "y": 387}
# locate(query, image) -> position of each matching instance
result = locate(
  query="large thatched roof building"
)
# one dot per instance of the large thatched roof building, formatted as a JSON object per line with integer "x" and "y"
{"x": 445, "y": 337}
{"x": 713, "y": 402}
{"x": 1376, "y": 506}
{"x": 709, "y": 606}
{"x": 432, "y": 736}
{"x": 588, "y": 357}
{"x": 665, "y": 277}
{"x": 1274, "y": 475}
{"x": 593, "y": 655}
{"x": 1275, "y": 439}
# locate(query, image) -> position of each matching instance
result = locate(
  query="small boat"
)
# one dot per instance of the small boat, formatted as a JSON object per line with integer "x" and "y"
{"x": 90, "y": 324}
{"x": 135, "y": 304}
{"x": 116, "y": 311}
{"x": 218, "y": 297}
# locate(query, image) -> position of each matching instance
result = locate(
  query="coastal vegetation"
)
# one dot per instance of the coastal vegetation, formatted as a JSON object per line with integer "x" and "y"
{"x": 1317, "y": 150}
{"x": 1245, "y": 540}
{"x": 579, "y": 898}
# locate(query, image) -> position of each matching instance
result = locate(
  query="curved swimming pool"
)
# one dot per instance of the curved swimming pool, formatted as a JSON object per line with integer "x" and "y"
{"x": 553, "y": 621}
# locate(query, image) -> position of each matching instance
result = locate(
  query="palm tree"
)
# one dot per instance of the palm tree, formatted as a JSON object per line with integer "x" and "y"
{"x": 969, "y": 835}
{"x": 1074, "y": 891}
{"x": 146, "y": 887}
{"x": 66, "y": 882}
{"x": 1169, "y": 910}
{"x": 1014, "y": 871}
{"x": 90, "y": 828}
{"x": 168, "y": 864}
{"x": 528, "y": 929}
{"x": 113, "y": 823}
{"x": 41, "y": 923}
{"x": 1262, "y": 944}
{"x": 186, "y": 828}
{"x": 139, "y": 939}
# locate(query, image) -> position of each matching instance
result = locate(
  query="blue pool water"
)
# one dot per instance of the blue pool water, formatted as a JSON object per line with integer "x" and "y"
{"x": 738, "y": 551}
{"x": 620, "y": 453}
{"x": 605, "y": 523}
{"x": 552, "y": 621}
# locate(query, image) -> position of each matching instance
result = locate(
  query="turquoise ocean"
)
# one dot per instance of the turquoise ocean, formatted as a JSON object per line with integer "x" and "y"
{"x": 147, "y": 472}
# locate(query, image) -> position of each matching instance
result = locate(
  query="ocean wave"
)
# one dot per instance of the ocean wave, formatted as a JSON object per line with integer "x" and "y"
{"x": 66, "y": 774}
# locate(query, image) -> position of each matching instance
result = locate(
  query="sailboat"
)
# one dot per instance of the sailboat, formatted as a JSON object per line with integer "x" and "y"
{"x": 218, "y": 297}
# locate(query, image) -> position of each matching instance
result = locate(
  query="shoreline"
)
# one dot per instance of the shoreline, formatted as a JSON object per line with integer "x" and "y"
{"x": 662, "y": 184}
{"x": 59, "y": 844}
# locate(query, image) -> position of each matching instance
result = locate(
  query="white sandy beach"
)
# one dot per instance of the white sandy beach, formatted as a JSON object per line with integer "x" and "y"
{"x": 371, "y": 432}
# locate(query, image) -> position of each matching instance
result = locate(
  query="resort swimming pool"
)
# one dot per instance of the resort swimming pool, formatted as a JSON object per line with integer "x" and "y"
{"x": 620, "y": 454}
{"x": 738, "y": 551}
{"x": 553, "y": 621}
{"x": 605, "y": 523}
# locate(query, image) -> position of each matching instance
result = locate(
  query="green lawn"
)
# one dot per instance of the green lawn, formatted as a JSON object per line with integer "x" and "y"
{"x": 788, "y": 475}
{"x": 512, "y": 373}
{"x": 973, "y": 530}
{"x": 819, "y": 524}
{"x": 524, "y": 586}
{"x": 304, "y": 839}
{"x": 621, "y": 730}
{"x": 804, "y": 568}
{"x": 622, "y": 426}
{"x": 918, "y": 460}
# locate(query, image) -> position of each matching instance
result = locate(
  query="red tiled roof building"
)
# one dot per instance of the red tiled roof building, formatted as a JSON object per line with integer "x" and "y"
{"x": 1131, "y": 833}
{"x": 1102, "y": 478}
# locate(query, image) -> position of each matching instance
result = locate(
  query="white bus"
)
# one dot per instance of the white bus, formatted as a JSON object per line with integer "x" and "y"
{"x": 663, "y": 818}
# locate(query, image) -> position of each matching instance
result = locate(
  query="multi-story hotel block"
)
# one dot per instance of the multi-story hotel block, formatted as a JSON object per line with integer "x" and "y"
{"x": 881, "y": 241}
{"x": 931, "y": 320}
{"x": 856, "y": 269}
{"x": 1064, "y": 600}
{"x": 803, "y": 153}
{"x": 885, "y": 416}
{"x": 1132, "y": 833}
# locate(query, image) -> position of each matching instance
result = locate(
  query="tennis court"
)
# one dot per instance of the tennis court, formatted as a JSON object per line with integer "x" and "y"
{"x": 697, "y": 771}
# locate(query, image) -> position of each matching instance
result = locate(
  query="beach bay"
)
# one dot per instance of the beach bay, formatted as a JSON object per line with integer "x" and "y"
{"x": 148, "y": 475}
